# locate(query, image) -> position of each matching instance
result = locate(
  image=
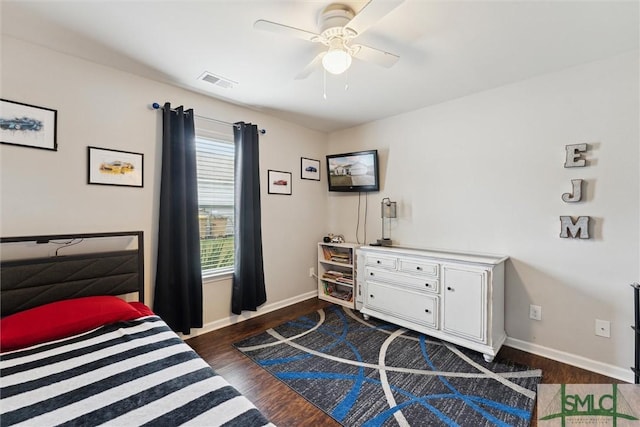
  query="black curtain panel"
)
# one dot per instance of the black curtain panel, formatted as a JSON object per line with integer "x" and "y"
{"x": 248, "y": 277}
{"x": 178, "y": 290}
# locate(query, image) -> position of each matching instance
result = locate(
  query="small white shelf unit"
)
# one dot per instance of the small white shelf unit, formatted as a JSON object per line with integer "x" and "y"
{"x": 337, "y": 273}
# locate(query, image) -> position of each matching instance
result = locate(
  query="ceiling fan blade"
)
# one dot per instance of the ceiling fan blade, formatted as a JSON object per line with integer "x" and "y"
{"x": 311, "y": 67}
{"x": 274, "y": 27}
{"x": 379, "y": 57}
{"x": 371, "y": 13}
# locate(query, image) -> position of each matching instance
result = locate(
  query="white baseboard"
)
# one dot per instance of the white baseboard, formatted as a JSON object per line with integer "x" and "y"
{"x": 233, "y": 319}
{"x": 572, "y": 359}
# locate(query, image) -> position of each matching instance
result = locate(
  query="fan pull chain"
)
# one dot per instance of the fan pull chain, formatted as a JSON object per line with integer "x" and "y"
{"x": 324, "y": 84}
{"x": 346, "y": 80}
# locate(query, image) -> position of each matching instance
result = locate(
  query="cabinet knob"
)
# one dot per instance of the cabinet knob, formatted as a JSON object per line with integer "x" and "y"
{"x": 449, "y": 288}
{"x": 426, "y": 310}
{"x": 378, "y": 262}
{"x": 371, "y": 296}
{"x": 371, "y": 273}
{"x": 427, "y": 285}
{"x": 418, "y": 268}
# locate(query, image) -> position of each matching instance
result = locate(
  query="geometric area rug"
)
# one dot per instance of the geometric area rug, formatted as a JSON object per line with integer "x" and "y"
{"x": 372, "y": 373}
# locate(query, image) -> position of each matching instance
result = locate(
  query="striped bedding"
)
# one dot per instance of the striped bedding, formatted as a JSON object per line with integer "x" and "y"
{"x": 130, "y": 373}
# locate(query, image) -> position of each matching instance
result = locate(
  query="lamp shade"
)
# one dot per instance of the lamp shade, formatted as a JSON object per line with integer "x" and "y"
{"x": 336, "y": 61}
{"x": 388, "y": 208}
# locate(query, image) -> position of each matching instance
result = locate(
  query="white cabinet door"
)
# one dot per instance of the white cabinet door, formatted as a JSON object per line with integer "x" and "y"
{"x": 464, "y": 299}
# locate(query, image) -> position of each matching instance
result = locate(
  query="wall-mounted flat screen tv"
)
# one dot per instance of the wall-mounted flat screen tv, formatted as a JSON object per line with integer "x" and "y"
{"x": 356, "y": 171}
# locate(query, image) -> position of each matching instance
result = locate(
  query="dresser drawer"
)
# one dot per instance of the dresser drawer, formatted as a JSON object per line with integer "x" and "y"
{"x": 428, "y": 284}
{"x": 404, "y": 303}
{"x": 381, "y": 261}
{"x": 418, "y": 266}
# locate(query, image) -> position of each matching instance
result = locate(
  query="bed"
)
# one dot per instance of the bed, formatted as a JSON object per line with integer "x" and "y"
{"x": 73, "y": 353}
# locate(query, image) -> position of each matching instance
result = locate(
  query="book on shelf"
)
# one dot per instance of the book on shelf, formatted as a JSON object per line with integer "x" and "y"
{"x": 335, "y": 273}
{"x": 333, "y": 291}
{"x": 325, "y": 252}
{"x": 330, "y": 275}
{"x": 339, "y": 273}
{"x": 340, "y": 255}
{"x": 338, "y": 276}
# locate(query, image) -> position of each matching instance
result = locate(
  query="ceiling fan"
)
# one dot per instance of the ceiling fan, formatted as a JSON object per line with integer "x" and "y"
{"x": 339, "y": 25}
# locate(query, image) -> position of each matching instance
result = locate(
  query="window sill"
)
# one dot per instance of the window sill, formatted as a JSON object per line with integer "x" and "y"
{"x": 216, "y": 277}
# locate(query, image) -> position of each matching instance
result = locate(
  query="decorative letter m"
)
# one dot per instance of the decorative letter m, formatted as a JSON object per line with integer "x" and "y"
{"x": 574, "y": 229}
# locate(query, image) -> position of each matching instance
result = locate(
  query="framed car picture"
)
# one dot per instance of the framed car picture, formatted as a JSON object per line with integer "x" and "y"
{"x": 28, "y": 125}
{"x": 114, "y": 167}
{"x": 279, "y": 182}
{"x": 309, "y": 169}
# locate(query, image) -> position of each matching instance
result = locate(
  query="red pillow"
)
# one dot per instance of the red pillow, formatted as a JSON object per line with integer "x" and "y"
{"x": 62, "y": 319}
{"x": 143, "y": 309}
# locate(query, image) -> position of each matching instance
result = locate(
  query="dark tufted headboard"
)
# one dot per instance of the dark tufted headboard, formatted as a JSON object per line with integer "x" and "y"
{"x": 30, "y": 282}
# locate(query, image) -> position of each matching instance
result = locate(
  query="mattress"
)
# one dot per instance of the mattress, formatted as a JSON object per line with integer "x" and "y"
{"x": 127, "y": 373}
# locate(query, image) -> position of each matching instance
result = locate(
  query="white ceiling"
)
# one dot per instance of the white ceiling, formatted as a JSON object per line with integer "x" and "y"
{"x": 447, "y": 49}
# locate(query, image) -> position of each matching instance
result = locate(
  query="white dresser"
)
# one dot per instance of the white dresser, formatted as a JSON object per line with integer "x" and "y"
{"x": 454, "y": 296}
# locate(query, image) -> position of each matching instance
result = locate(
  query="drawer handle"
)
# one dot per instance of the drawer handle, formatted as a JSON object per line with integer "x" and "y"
{"x": 449, "y": 288}
{"x": 419, "y": 268}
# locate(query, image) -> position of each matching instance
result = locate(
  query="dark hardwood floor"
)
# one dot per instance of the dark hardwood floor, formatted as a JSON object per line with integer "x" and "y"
{"x": 285, "y": 408}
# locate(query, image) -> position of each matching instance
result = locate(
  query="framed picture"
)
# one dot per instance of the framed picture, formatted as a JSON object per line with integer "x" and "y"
{"x": 309, "y": 169}
{"x": 113, "y": 167}
{"x": 28, "y": 125}
{"x": 279, "y": 182}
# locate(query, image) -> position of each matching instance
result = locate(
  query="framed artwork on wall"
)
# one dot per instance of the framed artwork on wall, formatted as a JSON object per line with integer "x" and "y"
{"x": 114, "y": 167}
{"x": 28, "y": 125}
{"x": 309, "y": 169}
{"x": 279, "y": 182}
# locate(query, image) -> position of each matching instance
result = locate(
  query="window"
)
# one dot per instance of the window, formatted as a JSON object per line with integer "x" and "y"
{"x": 215, "y": 158}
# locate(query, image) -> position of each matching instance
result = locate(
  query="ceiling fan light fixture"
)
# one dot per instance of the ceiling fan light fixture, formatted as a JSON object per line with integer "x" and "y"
{"x": 336, "y": 61}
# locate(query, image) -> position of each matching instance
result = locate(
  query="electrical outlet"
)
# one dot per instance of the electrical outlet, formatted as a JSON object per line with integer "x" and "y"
{"x": 603, "y": 328}
{"x": 535, "y": 312}
{"x": 312, "y": 272}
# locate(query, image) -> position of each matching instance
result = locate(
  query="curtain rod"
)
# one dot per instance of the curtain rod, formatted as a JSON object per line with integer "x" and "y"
{"x": 157, "y": 106}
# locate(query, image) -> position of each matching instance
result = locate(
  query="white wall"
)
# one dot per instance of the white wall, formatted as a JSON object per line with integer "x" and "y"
{"x": 46, "y": 192}
{"x": 485, "y": 173}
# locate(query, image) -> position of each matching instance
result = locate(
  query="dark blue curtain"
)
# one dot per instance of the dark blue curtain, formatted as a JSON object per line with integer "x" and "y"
{"x": 248, "y": 277}
{"x": 178, "y": 289}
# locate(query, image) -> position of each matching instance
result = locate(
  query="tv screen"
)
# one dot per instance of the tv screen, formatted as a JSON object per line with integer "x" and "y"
{"x": 356, "y": 171}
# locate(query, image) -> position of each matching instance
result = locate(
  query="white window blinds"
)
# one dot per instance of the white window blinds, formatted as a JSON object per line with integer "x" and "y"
{"x": 215, "y": 199}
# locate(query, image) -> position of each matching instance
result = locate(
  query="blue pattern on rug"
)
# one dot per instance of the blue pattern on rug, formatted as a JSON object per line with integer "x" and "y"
{"x": 372, "y": 373}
